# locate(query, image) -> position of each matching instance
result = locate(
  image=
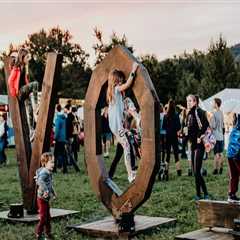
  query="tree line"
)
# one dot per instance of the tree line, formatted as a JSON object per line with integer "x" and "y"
{"x": 202, "y": 73}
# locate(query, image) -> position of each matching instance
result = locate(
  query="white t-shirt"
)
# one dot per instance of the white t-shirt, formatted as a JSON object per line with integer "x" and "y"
{"x": 115, "y": 112}
{"x": 217, "y": 124}
{"x": 2, "y": 128}
{"x": 80, "y": 114}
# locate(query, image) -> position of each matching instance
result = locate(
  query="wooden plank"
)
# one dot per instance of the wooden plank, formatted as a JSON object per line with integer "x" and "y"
{"x": 206, "y": 234}
{"x": 139, "y": 191}
{"x": 29, "y": 158}
{"x": 29, "y": 218}
{"x": 45, "y": 118}
{"x": 217, "y": 213}
{"x": 107, "y": 228}
{"x": 21, "y": 137}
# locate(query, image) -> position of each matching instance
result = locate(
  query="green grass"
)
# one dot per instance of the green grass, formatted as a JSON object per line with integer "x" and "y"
{"x": 168, "y": 199}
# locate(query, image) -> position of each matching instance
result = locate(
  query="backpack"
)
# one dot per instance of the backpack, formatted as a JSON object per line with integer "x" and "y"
{"x": 234, "y": 144}
{"x": 208, "y": 139}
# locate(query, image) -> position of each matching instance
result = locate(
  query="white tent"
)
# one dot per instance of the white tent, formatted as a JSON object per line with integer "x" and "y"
{"x": 230, "y": 101}
{"x": 4, "y": 99}
{"x": 230, "y": 104}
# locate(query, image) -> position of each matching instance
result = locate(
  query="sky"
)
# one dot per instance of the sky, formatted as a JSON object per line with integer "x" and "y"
{"x": 163, "y": 28}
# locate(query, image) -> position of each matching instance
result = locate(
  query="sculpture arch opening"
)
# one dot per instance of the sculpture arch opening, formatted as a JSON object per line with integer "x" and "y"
{"x": 138, "y": 191}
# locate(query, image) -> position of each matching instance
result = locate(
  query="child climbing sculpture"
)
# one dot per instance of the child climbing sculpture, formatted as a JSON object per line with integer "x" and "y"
{"x": 116, "y": 113}
{"x": 20, "y": 87}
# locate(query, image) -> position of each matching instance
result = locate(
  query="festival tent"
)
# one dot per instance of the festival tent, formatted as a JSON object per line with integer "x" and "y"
{"x": 230, "y": 101}
{"x": 3, "y": 100}
{"x": 230, "y": 105}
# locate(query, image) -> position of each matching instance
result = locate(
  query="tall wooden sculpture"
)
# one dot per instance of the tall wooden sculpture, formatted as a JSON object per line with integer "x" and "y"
{"x": 28, "y": 156}
{"x": 122, "y": 204}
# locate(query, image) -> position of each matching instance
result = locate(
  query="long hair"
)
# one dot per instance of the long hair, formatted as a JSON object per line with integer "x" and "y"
{"x": 115, "y": 77}
{"x": 22, "y": 52}
{"x": 171, "y": 108}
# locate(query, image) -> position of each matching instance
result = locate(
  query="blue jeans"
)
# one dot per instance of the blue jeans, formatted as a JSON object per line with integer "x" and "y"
{"x": 2, "y": 151}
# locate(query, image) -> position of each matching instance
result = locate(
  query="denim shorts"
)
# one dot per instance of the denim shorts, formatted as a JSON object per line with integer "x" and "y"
{"x": 219, "y": 146}
{"x": 106, "y": 137}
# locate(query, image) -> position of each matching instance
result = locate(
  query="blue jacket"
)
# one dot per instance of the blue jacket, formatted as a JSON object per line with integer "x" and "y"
{"x": 60, "y": 128}
{"x": 233, "y": 150}
{"x": 45, "y": 183}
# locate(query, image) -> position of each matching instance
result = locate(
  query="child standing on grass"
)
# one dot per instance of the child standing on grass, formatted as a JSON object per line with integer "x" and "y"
{"x": 45, "y": 192}
{"x": 116, "y": 113}
{"x": 233, "y": 154}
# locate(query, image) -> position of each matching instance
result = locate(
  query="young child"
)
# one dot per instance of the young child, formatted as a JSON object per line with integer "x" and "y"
{"x": 233, "y": 154}
{"x": 45, "y": 192}
{"x": 20, "y": 87}
{"x": 116, "y": 113}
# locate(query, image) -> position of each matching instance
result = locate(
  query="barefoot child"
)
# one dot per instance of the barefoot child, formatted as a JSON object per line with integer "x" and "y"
{"x": 116, "y": 113}
{"x": 45, "y": 192}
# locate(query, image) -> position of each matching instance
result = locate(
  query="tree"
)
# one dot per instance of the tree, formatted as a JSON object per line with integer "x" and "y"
{"x": 80, "y": 77}
{"x": 75, "y": 58}
{"x": 3, "y": 89}
{"x": 101, "y": 49}
{"x": 219, "y": 69}
{"x": 189, "y": 73}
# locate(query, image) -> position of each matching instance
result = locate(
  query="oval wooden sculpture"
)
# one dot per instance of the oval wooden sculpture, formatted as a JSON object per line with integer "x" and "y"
{"x": 139, "y": 191}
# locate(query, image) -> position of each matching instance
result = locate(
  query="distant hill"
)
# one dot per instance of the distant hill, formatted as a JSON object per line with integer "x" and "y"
{"x": 236, "y": 50}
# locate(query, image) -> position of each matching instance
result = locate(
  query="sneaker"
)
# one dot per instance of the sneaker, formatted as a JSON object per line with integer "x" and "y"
{"x": 232, "y": 198}
{"x": 179, "y": 173}
{"x": 215, "y": 172}
{"x": 204, "y": 172}
{"x": 220, "y": 170}
{"x": 166, "y": 175}
{"x": 190, "y": 172}
{"x": 197, "y": 198}
{"x": 206, "y": 197}
{"x": 32, "y": 135}
{"x": 132, "y": 177}
{"x": 106, "y": 155}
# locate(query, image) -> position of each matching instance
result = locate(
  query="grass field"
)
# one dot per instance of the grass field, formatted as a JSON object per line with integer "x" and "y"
{"x": 168, "y": 199}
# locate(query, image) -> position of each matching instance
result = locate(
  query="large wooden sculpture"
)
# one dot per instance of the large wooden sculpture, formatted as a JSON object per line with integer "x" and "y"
{"x": 216, "y": 218}
{"x": 28, "y": 156}
{"x": 139, "y": 191}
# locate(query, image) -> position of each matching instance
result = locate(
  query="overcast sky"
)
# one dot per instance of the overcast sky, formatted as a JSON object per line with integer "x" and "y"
{"x": 163, "y": 28}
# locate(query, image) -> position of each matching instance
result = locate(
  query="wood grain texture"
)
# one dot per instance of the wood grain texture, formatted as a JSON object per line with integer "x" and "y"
{"x": 217, "y": 213}
{"x": 139, "y": 191}
{"x": 30, "y": 218}
{"x": 107, "y": 227}
{"x": 206, "y": 234}
{"x": 28, "y": 157}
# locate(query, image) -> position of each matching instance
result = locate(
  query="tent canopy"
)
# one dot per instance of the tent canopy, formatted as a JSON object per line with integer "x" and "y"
{"x": 3, "y": 99}
{"x": 230, "y": 100}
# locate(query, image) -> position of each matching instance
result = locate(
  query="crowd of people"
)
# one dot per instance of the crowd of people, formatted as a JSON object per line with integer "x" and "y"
{"x": 66, "y": 137}
{"x": 193, "y": 133}
{"x": 195, "y": 130}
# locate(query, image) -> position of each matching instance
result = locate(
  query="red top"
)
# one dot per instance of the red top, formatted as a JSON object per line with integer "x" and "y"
{"x": 13, "y": 81}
